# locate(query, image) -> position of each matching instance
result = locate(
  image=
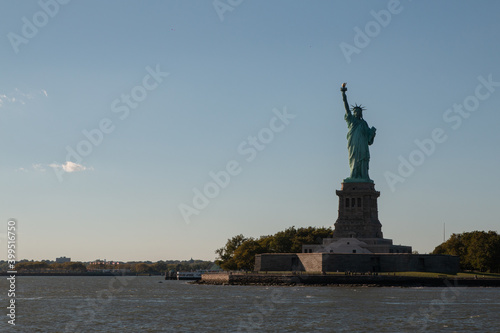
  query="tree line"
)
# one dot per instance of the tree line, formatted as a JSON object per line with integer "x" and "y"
{"x": 478, "y": 250}
{"x": 169, "y": 266}
{"x": 158, "y": 267}
{"x": 239, "y": 251}
{"x": 42, "y": 266}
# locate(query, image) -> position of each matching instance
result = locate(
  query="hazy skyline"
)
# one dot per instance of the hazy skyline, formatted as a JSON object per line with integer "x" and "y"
{"x": 159, "y": 129}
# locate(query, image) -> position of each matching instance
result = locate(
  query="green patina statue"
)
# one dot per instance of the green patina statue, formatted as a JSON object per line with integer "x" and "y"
{"x": 359, "y": 137}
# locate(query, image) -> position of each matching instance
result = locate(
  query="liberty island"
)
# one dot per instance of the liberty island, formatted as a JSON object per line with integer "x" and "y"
{"x": 357, "y": 243}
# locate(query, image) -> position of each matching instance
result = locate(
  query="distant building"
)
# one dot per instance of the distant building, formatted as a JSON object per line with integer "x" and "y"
{"x": 105, "y": 262}
{"x": 62, "y": 260}
{"x": 105, "y": 266}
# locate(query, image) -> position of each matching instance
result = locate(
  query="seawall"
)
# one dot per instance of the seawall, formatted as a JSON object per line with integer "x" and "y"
{"x": 343, "y": 280}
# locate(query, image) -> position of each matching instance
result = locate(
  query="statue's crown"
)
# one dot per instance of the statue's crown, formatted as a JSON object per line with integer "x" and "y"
{"x": 356, "y": 106}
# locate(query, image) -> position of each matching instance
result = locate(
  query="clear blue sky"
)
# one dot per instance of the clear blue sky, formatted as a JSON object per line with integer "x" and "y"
{"x": 228, "y": 69}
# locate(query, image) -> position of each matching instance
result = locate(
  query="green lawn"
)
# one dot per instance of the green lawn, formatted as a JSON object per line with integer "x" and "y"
{"x": 479, "y": 274}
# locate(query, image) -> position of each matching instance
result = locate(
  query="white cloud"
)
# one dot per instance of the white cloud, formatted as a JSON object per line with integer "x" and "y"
{"x": 73, "y": 167}
{"x": 70, "y": 167}
{"x": 17, "y": 96}
{"x": 38, "y": 167}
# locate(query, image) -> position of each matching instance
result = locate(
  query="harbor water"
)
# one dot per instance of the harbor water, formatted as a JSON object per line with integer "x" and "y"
{"x": 151, "y": 304}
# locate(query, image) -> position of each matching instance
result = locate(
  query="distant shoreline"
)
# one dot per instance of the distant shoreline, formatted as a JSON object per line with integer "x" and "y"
{"x": 341, "y": 280}
{"x": 73, "y": 274}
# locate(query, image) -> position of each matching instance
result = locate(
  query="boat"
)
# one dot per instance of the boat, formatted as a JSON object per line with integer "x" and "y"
{"x": 194, "y": 275}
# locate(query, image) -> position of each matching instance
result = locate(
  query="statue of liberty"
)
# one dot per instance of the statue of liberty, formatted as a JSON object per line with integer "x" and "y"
{"x": 359, "y": 137}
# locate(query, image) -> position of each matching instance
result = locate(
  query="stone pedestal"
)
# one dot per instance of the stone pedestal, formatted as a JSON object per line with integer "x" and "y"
{"x": 357, "y": 244}
{"x": 358, "y": 212}
{"x": 357, "y": 229}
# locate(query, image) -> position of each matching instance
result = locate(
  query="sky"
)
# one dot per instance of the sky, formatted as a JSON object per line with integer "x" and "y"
{"x": 157, "y": 130}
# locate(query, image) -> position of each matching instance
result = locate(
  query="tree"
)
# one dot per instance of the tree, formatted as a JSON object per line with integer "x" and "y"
{"x": 291, "y": 239}
{"x": 226, "y": 253}
{"x": 239, "y": 252}
{"x": 244, "y": 255}
{"x": 141, "y": 268}
{"x": 74, "y": 266}
{"x": 310, "y": 235}
{"x": 283, "y": 241}
{"x": 159, "y": 267}
{"x": 32, "y": 266}
{"x": 478, "y": 250}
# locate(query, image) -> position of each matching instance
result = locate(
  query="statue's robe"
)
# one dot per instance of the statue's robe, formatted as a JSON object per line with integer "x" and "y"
{"x": 359, "y": 137}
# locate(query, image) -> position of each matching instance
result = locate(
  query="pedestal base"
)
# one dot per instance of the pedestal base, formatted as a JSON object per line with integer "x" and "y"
{"x": 358, "y": 212}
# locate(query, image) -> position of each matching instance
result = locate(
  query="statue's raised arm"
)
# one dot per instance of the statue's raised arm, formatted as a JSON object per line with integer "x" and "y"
{"x": 344, "y": 97}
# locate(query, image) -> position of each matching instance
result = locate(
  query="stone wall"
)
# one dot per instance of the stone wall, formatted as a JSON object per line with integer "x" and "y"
{"x": 332, "y": 262}
{"x": 276, "y": 262}
{"x": 352, "y": 280}
{"x": 216, "y": 278}
{"x": 347, "y": 262}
